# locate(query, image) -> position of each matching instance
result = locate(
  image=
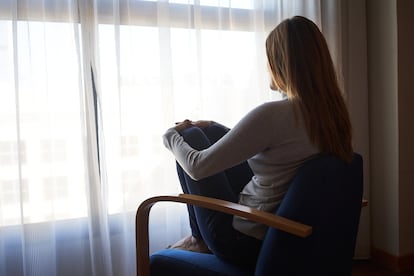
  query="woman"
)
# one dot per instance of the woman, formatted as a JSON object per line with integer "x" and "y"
{"x": 254, "y": 162}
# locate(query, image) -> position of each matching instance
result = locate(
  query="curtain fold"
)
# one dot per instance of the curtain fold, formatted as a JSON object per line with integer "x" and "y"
{"x": 87, "y": 90}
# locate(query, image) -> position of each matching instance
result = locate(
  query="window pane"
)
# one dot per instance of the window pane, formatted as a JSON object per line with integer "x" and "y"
{"x": 166, "y": 75}
{"x": 41, "y": 138}
{"x": 132, "y": 114}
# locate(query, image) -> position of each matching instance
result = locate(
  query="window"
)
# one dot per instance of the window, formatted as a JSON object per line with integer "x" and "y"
{"x": 154, "y": 73}
{"x": 12, "y": 194}
{"x": 43, "y": 112}
{"x": 53, "y": 150}
{"x": 10, "y": 153}
{"x": 55, "y": 188}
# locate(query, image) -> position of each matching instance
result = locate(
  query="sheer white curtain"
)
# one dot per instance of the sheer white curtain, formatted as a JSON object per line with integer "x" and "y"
{"x": 87, "y": 89}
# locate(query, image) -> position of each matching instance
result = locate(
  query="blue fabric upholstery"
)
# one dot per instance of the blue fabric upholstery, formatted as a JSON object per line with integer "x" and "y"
{"x": 186, "y": 263}
{"x": 326, "y": 193}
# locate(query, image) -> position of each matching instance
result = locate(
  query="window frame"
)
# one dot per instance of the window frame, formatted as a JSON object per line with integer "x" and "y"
{"x": 142, "y": 13}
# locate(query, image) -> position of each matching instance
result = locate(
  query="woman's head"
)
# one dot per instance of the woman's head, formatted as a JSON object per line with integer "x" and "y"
{"x": 298, "y": 54}
{"x": 301, "y": 66}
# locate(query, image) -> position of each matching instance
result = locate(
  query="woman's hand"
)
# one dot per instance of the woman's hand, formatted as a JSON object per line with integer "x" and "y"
{"x": 183, "y": 125}
{"x": 188, "y": 123}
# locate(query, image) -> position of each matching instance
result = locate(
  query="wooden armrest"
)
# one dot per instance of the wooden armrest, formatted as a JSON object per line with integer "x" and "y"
{"x": 142, "y": 219}
{"x": 364, "y": 202}
{"x": 252, "y": 214}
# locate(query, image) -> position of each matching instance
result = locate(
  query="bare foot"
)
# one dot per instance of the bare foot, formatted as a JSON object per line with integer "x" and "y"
{"x": 191, "y": 244}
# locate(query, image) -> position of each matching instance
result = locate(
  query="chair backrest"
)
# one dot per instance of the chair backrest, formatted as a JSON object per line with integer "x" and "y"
{"x": 326, "y": 193}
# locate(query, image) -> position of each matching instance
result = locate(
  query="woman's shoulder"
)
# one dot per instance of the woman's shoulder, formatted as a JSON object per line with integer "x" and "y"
{"x": 278, "y": 107}
{"x": 274, "y": 111}
{"x": 282, "y": 102}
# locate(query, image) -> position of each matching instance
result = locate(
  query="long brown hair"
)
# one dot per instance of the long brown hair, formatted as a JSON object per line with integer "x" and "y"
{"x": 302, "y": 67}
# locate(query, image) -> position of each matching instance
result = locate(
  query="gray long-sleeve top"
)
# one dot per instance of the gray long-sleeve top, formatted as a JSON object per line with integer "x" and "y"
{"x": 274, "y": 141}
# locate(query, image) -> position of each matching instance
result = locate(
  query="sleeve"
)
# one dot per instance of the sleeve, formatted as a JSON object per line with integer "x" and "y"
{"x": 250, "y": 136}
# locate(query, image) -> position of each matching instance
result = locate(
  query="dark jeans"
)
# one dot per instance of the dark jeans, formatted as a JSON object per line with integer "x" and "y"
{"x": 213, "y": 227}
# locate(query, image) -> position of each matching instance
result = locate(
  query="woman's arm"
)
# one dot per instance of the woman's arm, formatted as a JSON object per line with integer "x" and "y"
{"x": 250, "y": 136}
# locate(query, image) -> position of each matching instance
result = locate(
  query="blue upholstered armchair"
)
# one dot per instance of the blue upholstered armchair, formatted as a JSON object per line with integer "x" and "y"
{"x": 312, "y": 233}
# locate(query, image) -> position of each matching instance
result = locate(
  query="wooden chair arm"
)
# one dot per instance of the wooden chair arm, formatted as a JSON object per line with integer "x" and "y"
{"x": 266, "y": 218}
{"x": 142, "y": 219}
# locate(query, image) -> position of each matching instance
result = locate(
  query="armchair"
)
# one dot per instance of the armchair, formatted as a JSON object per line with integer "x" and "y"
{"x": 312, "y": 233}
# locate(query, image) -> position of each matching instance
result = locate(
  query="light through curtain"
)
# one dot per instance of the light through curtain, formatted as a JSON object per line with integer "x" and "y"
{"x": 88, "y": 88}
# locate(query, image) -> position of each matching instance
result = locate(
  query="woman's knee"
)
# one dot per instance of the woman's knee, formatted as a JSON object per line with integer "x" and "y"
{"x": 201, "y": 138}
{"x": 196, "y": 138}
{"x": 215, "y": 131}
